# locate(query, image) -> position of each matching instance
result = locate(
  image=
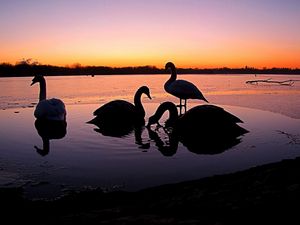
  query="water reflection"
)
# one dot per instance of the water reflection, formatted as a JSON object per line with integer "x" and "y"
{"x": 114, "y": 129}
{"x": 138, "y": 131}
{"x": 48, "y": 130}
{"x": 167, "y": 141}
{"x": 123, "y": 130}
{"x": 168, "y": 147}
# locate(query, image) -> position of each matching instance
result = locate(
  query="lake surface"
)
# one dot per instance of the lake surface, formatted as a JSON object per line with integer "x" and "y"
{"x": 84, "y": 158}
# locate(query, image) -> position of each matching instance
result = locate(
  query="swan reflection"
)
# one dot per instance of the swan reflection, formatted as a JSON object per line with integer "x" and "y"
{"x": 48, "y": 130}
{"x": 113, "y": 130}
{"x": 122, "y": 131}
{"x": 167, "y": 142}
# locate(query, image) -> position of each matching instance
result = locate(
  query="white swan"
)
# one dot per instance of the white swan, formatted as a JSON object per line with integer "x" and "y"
{"x": 50, "y": 109}
{"x": 181, "y": 89}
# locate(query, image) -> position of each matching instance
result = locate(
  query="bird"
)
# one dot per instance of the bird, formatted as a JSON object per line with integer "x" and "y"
{"x": 49, "y": 109}
{"x": 206, "y": 121}
{"x": 121, "y": 113}
{"x": 181, "y": 89}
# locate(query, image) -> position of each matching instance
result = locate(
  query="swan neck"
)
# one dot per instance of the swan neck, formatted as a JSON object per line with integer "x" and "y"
{"x": 42, "y": 90}
{"x": 173, "y": 75}
{"x": 46, "y": 145}
{"x": 173, "y": 114}
{"x": 138, "y": 103}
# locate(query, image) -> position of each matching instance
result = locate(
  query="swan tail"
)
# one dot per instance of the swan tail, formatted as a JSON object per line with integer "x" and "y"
{"x": 93, "y": 121}
{"x": 240, "y": 131}
{"x": 204, "y": 99}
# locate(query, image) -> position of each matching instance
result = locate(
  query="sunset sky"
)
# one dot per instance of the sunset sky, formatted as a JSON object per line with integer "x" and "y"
{"x": 191, "y": 33}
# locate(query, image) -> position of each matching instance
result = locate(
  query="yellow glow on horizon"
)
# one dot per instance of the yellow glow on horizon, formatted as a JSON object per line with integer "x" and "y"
{"x": 194, "y": 51}
{"x": 134, "y": 52}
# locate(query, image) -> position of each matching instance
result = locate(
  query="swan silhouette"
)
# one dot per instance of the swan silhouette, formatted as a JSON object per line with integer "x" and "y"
{"x": 49, "y": 129}
{"x": 120, "y": 113}
{"x": 201, "y": 121}
{"x": 181, "y": 89}
{"x": 50, "y": 109}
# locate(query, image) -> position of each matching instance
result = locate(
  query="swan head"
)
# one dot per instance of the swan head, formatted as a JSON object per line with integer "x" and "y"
{"x": 146, "y": 91}
{"x": 162, "y": 108}
{"x": 170, "y": 65}
{"x": 37, "y": 79}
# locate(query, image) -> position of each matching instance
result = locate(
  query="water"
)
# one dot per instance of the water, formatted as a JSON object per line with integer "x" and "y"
{"x": 86, "y": 158}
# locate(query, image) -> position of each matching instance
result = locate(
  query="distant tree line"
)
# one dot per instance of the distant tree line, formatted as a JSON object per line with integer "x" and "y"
{"x": 29, "y": 68}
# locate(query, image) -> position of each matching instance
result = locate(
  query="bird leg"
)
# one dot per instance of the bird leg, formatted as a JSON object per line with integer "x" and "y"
{"x": 180, "y": 107}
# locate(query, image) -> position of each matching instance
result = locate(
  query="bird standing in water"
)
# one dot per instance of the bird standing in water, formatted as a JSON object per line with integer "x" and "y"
{"x": 49, "y": 109}
{"x": 181, "y": 89}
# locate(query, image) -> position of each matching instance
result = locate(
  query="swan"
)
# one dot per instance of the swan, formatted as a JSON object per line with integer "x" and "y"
{"x": 120, "y": 113}
{"x": 50, "y": 109}
{"x": 181, "y": 89}
{"x": 205, "y": 120}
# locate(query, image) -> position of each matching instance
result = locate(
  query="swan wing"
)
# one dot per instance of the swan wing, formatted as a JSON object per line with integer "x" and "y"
{"x": 184, "y": 89}
{"x": 116, "y": 107}
{"x": 208, "y": 121}
{"x": 223, "y": 114}
{"x": 51, "y": 109}
{"x": 211, "y": 113}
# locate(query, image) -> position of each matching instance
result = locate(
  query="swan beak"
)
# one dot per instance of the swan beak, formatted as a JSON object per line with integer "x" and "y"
{"x": 33, "y": 82}
{"x": 149, "y": 96}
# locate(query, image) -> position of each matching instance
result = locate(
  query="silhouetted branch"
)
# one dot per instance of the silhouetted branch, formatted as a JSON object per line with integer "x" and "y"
{"x": 285, "y": 82}
{"x": 294, "y": 139}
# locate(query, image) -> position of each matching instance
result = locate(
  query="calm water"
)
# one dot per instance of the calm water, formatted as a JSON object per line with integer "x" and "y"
{"x": 86, "y": 158}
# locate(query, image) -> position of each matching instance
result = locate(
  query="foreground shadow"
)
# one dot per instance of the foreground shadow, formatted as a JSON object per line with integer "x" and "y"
{"x": 48, "y": 130}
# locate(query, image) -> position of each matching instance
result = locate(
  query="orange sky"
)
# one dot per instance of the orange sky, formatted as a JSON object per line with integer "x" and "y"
{"x": 191, "y": 33}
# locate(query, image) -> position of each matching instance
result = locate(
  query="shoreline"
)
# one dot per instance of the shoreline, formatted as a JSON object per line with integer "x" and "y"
{"x": 267, "y": 193}
{"x": 143, "y": 74}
